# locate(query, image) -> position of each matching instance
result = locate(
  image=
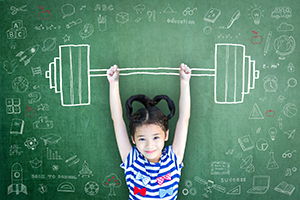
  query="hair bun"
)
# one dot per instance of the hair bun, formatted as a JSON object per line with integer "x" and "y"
{"x": 148, "y": 103}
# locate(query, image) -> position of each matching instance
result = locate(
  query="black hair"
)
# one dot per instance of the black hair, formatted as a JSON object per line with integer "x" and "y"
{"x": 150, "y": 114}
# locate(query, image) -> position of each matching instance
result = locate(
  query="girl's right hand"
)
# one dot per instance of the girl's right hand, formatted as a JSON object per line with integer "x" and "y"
{"x": 113, "y": 74}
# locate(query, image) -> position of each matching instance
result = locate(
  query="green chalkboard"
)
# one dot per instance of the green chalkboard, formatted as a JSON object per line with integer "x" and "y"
{"x": 57, "y": 136}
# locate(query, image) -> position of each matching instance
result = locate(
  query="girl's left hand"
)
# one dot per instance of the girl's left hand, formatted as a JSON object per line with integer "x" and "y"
{"x": 185, "y": 72}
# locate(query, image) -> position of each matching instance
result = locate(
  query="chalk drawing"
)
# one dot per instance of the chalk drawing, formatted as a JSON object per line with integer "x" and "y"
{"x": 246, "y": 143}
{"x": 14, "y": 150}
{"x": 285, "y": 27}
{"x": 247, "y": 164}
{"x": 34, "y": 97}
{"x": 49, "y": 44}
{"x": 35, "y": 163}
{"x": 91, "y": 188}
{"x": 122, "y": 17}
{"x": 262, "y": 144}
{"x": 67, "y": 10}
{"x": 255, "y": 113}
{"x": 285, "y": 188}
{"x": 282, "y": 12}
{"x": 272, "y": 164}
{"x": 15, "y": 10}
{"x": 13, "y": 106}
{"x": 139, "y": 8}
{"x": 228, "y": 95}
{"x": 292, "y": 82}
{"x": 17, "y": 31}
{"x": 17, "y": 126}
{"x": 102, "y": 24}
{"x": 87, "y": 31}
{"x": 288, "y": 154}
{"x": 284, "y": 45}
{"x": 66, "y": 187}
{"x": 31, "y": 143}
{"x": 85, "y": 171}
{"x": 267, "y": 44}
{"x": 290, "y": 133}
{"x": 50, "y": 138}
{"x": 17, "y": 185}
{"x": 260, "y": 184}
{"x": 220, "y": 168}
{"x": 233, "y": 18}
{"x": 290, "y": 110}
{"x": 212, "y": 15}
{"x": 43, "y": 188}
{"x": 209, "y": 186}
{"x": 235, "y": 191}
{"x": 43, "y": 123}
{"x": 112, "y": 181}
{"x": 66, "y": 38}
{"x": 53, "y": 155}
{"x": 36, "y": 70}
{"x": 256, "y": 14}
{"x": 272, "y": 132}
{"x": 189, "y": 11}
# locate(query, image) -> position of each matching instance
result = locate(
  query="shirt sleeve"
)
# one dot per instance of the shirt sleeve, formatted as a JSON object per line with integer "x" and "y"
{"x": 174, "y": 157}
{"x": 132, "y": 156}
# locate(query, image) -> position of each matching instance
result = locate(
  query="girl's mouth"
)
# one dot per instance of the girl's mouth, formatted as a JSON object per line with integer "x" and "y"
{"x": 149, "y": 152}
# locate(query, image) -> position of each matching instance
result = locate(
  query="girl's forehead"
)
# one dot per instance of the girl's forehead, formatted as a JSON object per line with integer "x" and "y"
{"x": 148, "y": 129}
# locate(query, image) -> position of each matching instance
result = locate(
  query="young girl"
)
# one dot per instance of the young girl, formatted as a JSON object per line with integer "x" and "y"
{"x": 151, "y": 172}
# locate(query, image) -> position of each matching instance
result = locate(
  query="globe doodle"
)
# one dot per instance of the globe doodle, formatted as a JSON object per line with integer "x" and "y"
{"x": 20, "y": 84}
{"x": 284, "y": 45}
{"x": 290, "y": 110}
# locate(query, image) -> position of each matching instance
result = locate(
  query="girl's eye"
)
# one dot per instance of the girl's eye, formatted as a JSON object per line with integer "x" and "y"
{"x": 155, "y": 138}
{"x": 141, "y": 139}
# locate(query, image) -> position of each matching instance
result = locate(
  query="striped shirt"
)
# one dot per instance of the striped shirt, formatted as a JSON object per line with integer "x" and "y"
{"x": 146, "y": 180}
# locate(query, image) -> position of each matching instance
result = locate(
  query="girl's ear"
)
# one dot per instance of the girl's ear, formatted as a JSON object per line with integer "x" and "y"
{"x": 132, "y": 139}
{"x": 167, "y": 135}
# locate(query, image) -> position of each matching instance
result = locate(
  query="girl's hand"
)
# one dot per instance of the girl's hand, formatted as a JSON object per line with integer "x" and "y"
{"x": 185, "y": 72}
{"x": 113, "y": 74}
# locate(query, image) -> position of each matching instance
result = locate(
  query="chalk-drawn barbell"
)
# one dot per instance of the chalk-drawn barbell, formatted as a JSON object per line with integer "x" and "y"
{"x": 70, "y": 74}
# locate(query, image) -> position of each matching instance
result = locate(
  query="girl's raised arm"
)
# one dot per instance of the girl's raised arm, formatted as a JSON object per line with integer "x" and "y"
{"x": 122, "y": 138}
{"x": 184, "y": 113}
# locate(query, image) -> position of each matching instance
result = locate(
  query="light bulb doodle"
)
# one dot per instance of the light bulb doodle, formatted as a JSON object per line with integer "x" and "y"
{"x": 256, "y": 14}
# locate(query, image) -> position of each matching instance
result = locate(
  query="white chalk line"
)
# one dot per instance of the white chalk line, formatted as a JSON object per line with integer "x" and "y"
{"x": 151, "y": 73}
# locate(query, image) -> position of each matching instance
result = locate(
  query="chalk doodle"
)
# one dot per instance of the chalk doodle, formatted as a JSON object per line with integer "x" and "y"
{"x": 66, "y": 187}
{"x": 262, "y": 144}
{"x": 169, "y": 10}
{"x": 139, "y": 8}
{"x": 260, "y": 184}
{"x": 91, "y": 188}
{"x": 87, "y": 31}
{"x": 246, "y": 143}
{"x": 189, "y": 11}
{"x": 17, "y": 31}
{"x": 247, "y": 164}
{"x": 233, "y": 18}
{"x": 66, "y": 38}
{"x": 67, "y": 10}
{"x": 256, "y": 14}
{"x": 43, "y": 123}
{"x": 280, "y": 124}
{"x": 74, "y": 23}
{"x": 85, "y": 171}
{"x": 288, "y": 154}
{"x": 17, "y": 185}
{"x": 35, "y": 163}
{"x": 34, "y": 97}
{"x": 285, "y": 27}
{"x": 282, "y": 12}
{"x": 112, "y": 181}
{"x": 42, "y": 188}
{"x": 17, "y": 126}
{"x": 284, "y": 45}
{"x": 50, "y": 138}
{"x": 15, "y": 10}
{"x": 212, "y": 15}
{"x": 53, "y": 155}
{"x": 226, "y": 60}
{"x": 102, "y": 23}
{"x": 291, "y": 67}
{"x": 290, "y": 110}
{"x": 292, "y": 82}
{"x": 20, "y": 84}
{"x": 289, "y": 171}
{"x": 36, "y": 70}
{"x": 257, "y": 39}
{"x": 220, "y": 168}
{"x": 235, "y": 191}
{"x": 14, "y": 150}
{"x": 44, "y": 14}
{"x": 272, "y": 164}
{"x": 270, "y": 83}
{"x": 285, "y": 188}
{"x": 122, "y": 17}
{"x": 72, "y": 161}
{"x": 31, "y": 143}
{"x": 209, "y": 186}
{"x": 290, "y": 133}
{"x": 267, "y": 44}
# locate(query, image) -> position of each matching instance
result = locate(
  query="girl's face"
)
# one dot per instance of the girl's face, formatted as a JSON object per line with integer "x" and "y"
{"x": 150, "y": 140}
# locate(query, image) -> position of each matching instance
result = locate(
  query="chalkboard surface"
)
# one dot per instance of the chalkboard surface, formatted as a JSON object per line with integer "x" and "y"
{"x": 57, "y": 137}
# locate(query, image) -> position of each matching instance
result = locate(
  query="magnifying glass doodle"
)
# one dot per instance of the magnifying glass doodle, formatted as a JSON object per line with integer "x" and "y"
{"x": 67, "y": 10}
{"x": 290, "y": 83}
